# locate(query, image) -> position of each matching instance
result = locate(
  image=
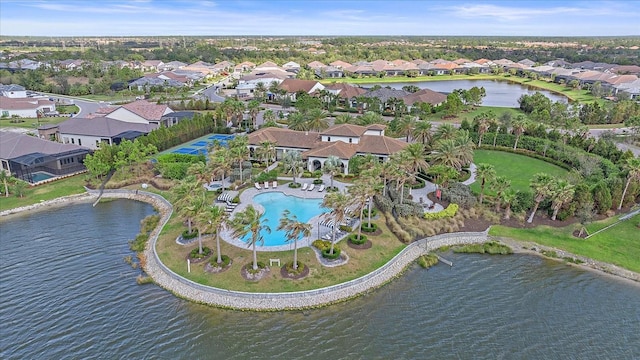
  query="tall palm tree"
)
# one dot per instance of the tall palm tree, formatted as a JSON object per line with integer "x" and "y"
{"x": 317, "y": 119}
{"x": 508, "y": 197}
{"x": 248, "y": 222}
{"x": 297, "y": 121}
{"x": 483, "y": 121}
{"x": 337, "y": 202}
{"x": 269, "y": 116}
{"x": 254, "y": 108}
{"x": 519, "y": 125}
{"x": 239, "y": 151}
{"x": 562, "y": 192}
{"x": 181, "y": 197}
{"x": 465, "y": 147}
{"x": 359, "y": 193}
{"x": 220, "y": 161}
{"x": 293, "y": 229}
{"x": 200, "y": 172}
{"x": 446, "y": 132}
{"x": 406, "y": 126}
{"x": 292, "y": 161}
{"x": 372, "y": 184}
{"x": 422, "y": 132}
{"x": 197, "y": 210}
{"x": 542, "y": 185}
{"x": 446, "y": 152}
{"x": 500, "y": 185}
{"x": 267, "y": 151}
{"x": 632, "y": 165}
{"x": 331, "y": 166}
{"x": 370, "y": 118}
{"x": 402, "y": 174}
{"x": 416, "y": 158}
{"x": 486, "y": 173}
{"x": 259, "y": 91}
{"x": 217, "y": 218}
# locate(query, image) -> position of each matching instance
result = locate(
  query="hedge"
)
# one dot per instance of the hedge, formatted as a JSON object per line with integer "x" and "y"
{"x": 450, "y": 211}
{"x": 365, "y": 228}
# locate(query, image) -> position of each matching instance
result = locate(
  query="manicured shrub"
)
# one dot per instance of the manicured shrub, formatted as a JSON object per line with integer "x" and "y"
{"x": 460, "y": 194}
{"x": 450, "y": 211}
{"x": 365, "y": 228}
{"x": 336, "y": 253}
{"x": 225, "y": 261}
{"x": 318, "y": 181}
{"x": 346, "y": 228}
{"x": 186, "y": 235}
{"x": 291, "y": 270}
{"x": 295, "y": 185}
{"x": 353, "y": 238}
{"x": 322, "y": 244}
{"x": 250, "y": 270}
{"x": 195, "y": 253}
{"x": 383, "y": 203}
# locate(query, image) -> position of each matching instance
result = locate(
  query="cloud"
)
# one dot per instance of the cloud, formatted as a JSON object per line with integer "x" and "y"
{"x": 508, "y": 13}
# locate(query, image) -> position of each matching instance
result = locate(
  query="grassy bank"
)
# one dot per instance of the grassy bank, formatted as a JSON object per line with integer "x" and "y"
{"x": 470, "y": 114}
{"x": 617, "y": 245}
{"x": 35, "y": 194}
{"x": 361, "y": 262}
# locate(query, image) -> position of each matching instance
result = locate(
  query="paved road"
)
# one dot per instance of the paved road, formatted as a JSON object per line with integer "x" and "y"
{"x": 86, "y": 106}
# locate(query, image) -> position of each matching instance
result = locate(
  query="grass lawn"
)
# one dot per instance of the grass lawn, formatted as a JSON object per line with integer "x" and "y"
{"x": 361, "y": 262}
{"x": 472, "y": 113}
{"x": 69, "y": 186}
{"x": 517, "y": 168}
{"x": 617, "y": 245}
{"x": 30, "y": 123}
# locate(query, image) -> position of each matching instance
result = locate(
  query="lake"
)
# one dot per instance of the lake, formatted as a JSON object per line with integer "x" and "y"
{"x": 499, "y": 93}
{"x": 67, "y": 293}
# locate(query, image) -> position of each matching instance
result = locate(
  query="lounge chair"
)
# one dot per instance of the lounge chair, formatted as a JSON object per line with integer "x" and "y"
{"x": 231, "y": 205}
{"x": 275, "y": 184}
{"x": 321, "y": 188}
{"x": 304, "y": 186}
{"x": 326, "y": 236}
{"x": 266, "y": 184}
{"x": 257, "y": 186}
{"x": 311, "y": 187}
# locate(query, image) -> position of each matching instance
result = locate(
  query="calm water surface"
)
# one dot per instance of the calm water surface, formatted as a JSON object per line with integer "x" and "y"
{"x": 499, "y": 93}
{"x": 66, "y": 293}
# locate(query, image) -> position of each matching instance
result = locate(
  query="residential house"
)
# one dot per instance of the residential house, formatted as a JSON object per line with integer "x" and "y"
{"x": 175, "y": 117}
{"x": 23, "y": 156}
{"x": 630, "y": 88}
{"x": 172, "y": 65}
{"x": 247, "y": 83}
{"x": 345, "y": 93}
{"x": 25, "y": 107}
{"x": 344, "y": 141}
{"x": 244, "y": 66}
{"x": 316, "y": 65}
{"x": 292, "y": 86}
{"x": 427, "y": 96}
{"x": 91, "y": 132}
{"x": 151, "y": 65}
{"x": 385, "y": 95}
{"x": 291, "y": 66}
{"x": 527, "y": 62}
{"x": 13, "y": 91}
{"x": 340, "y": 64}
{"x": 140, "y": 111}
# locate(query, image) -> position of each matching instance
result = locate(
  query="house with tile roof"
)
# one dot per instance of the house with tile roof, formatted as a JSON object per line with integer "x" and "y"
{"x": 343, "y": 141}
{"x": 340, "y": 64}
{"x": 346, "y": 93}
{"x": 293, "y": 86}
{"x": 13, "y": 91}
{"x": 426, "y": 96}
{"x": 140, "y": 111}
{"x": 23, "y": 156}
{"x": 92, "y": 132}
{"x": 25, "y": 107}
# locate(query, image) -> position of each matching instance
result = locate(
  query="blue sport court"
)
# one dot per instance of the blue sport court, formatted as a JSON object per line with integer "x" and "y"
{"x": 200, "y": 146}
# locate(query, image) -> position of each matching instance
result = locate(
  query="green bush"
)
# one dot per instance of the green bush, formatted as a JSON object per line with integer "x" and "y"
{"x": 450, "y": 211}
{"x": 383, "y": 203}
{"x": 306, "y": 174}
{"x": 353, "y": 238}
{"x": 186, "y": 235}
{"x": 267, "y": 176}
{"x": 236, "y": 200}
{"x": 371, "y": 229}
{"x": 138, "y": 244}
{"x": 225, "y": 261}
{"x": 322, "y": 244}
{"x": 289, "y": 268}
{"x": 249, "y": 267}
{"x": 418, "y": 185}
{"x": 335, "y": 255}
{"x": 427, "y": 261}
{"x": 491, "y": 247}
{"x": 460, "y": 194}
{"x": 295, "y": 185}
{"x": 317, "y": 174}
{"x": 195, "y": 253}
{"x": 318, "y": 181}
{"x": 345, "y": 228}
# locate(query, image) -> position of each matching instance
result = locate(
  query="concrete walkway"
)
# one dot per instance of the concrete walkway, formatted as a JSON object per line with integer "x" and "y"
{"x": 472, "y": 178}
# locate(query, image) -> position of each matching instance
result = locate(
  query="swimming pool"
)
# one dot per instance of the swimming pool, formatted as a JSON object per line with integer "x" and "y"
{"x": 275, "y": 203}
{"x": 40, "y": 176}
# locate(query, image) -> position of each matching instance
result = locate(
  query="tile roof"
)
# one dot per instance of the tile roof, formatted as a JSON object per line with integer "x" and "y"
{"x": 340, "y": 64}
{"x": 345, "y": 90}
{"x": 13, "y": 145}
{"x": 384, "y": 94}
{"x": 101, "y": 126}
{"x": 285, "y": 137}
{"x": 316, "y": 65}
{"x": 345, "y": 130}
{"x": 425, "y": 96}
{"x": 335, "y": 148}
{"x": 381, "y": 145}
{"x": 295, "y": 85}
{"x": 8, "y": 103}
{"x": 146, "y": 110}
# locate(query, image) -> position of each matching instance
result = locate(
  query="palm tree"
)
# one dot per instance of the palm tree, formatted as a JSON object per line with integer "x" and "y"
{"x": 292, "y": 161}
{"x": 446, "y": 153}
{"x": 248, "y": 222}
{"x": 4, "y": 177}
{"x": 562, "y": 192}
{"x": 331, "y": 166}
{"x": 406, "y": 126}
{"x": 508, "y": 197}
{"x": 337, "y": 202}
{"x": 220, "y": 162}
{"x": 269, "y": 116}
{"x": 632, "y": 165}
{"x": 200, "y": 172}
{"x": 267, "y": 151}
{"x": 217, "y": 219}
{"x": 422, "y": 132}
{"x": 519, "y": 125}
{"x": 371, "y": 183}
{"x": 298, "y": 122}
{"x": 370, "y": 118}
{"x": 317, "y": 119}
{"x": 254, "y": 108}
{"x": 465, "y": 147}
{"x": 239, "y": 151}
{"x": 259, "y": 91}
{"x": 483, "y": 121}
{"x": 196, "y": 209}
{"x": 181, "y": 196}
{"x": 293, "y": 229}
{"x": 359, "y": 193}
{"x": 446, "y": 132}
{"x": 442, "y": 174}
{"x": 486, "y": 173}
{"x": 344, "y": 119}
{"x": 416, "y": 158}
{"x": 500, "y": 185}
{"x": 542, "y": 185}
{"x": 402, "y": 164}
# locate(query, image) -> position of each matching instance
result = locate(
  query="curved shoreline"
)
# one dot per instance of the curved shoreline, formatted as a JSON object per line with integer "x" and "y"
{"x": 239, "y": 300}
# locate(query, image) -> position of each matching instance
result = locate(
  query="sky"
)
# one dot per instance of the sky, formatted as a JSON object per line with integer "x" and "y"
{"x": 319, "y": 17}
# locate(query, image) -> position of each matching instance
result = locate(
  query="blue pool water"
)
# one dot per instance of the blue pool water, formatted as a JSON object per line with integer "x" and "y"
{"x": 275, "y": 203}
{"x": 40, "y": 176}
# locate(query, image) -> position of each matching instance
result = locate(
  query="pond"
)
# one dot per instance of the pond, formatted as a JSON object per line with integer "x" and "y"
{"x": 499, "y": 93}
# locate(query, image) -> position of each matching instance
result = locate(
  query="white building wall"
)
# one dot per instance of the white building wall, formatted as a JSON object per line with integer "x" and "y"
{"x": 333, "y": 138}
{"x": 88, "y": 141}
{"x": 123, "y": 114}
